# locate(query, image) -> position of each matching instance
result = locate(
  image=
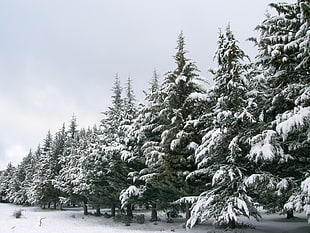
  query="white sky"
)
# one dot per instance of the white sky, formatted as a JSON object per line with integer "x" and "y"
{"x": 59, "y": 57}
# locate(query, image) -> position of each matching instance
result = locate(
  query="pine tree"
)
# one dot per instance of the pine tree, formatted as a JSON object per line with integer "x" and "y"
{"x": 21, "y": 181}
{"x": 34, "y": 180}
{"x": 284, "y": 138}
{"x": 45, "y": 192}
{"x": 169, "y": 142}
{"x": 184, "y": 93}
{"x": 91, "y": 164}
{"x": 142, "y": 141}
{"x": 6, "y": 182}
{"x": 60, "y": 150}
{"x": 105, "y": 171}
{"x": 113, "y": 145}
{"x": 221, "y": 156}
{"x": 70, "y": 180}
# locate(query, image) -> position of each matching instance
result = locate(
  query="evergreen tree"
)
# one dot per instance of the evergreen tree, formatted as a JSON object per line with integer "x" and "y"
{"x": 130, "y": 108}
{"x": 105, "y": 170}
{"x": 70, "y": 180}
{"x": 181, "y": 90}
{"x": 22, "y": 180}
{"x": 6, "y": 182}
{"x": 90, "y": 183}
{"x": 34, "y": 180}
{"x": 113, "y": 145}
{"x": 222, "y": 154}
{"x": 45, "y": 193}
{"x": 141, "y": 143}
{"x": 169, "y": 142}
{"x": 283, "y": 141}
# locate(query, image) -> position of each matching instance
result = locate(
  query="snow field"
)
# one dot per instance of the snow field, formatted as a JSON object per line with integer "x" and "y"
{"x": 73, "y": 221}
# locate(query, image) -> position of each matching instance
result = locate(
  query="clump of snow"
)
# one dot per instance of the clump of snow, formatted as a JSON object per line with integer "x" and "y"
{"x": 192, "y": 146}
{"x": 174, "y": 144}
{"x": 245, "y": 115}
{"x": 191, "y": 200}
{"x": 223, "y": 115}
{"x": 295, "y": 202}
{"x": 218, "y": 175}
{"x": 290, "y": 122}
{"x": 255, "y": 180}
{"x": 199, "y": 96}
{"x": 265, "y": 147}
{"x": 304, "y": 97}
{"x": 200, "y": 210}
{"x": 210, "y": 140}
{"x": 131, "y": 191}
{"x": 305, "y": 186}
{"x": 180, "y": 79}
{"x": 282, "y": 186}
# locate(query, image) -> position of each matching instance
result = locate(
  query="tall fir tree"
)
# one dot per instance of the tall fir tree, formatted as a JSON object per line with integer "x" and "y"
{"x": 6, "y": 182}
{"x": 108, "y": 169}
{"x": 42, "y": 183}
{"x": 169, "y": 143}
{"x": 283, "y": 141}
{"x": 143, "y": 141}
{"x": 221, "y": 156}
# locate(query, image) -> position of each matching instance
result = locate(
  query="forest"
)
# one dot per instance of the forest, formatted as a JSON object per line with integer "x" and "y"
{"x": 212, "y": 153}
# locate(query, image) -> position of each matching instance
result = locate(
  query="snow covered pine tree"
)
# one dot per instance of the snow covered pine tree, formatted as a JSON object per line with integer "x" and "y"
{"x": 281, "y": 148}
{"x": 222, "y": 153}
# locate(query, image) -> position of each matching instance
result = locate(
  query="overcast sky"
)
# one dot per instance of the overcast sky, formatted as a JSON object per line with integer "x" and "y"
{"x": 59, "y": 57}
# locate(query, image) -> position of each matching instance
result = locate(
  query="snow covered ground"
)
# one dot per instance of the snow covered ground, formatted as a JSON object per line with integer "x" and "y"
{"x": 73, "y": 221}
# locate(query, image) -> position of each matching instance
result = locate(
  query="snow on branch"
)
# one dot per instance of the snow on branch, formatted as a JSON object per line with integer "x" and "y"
{"x": 199, "y": 96}
{"x": 264, "y": 147}
{"x": 295, "y": 202}
{"x": 246, "y": 116}
{"x": 263, "y": 180}
{"x": 209, "y": 141}
{"x": 234, "y": 149}
{"x": 202, "y": 209}
{"x": 291, "y": 122}
{"x": 219, "y": 174}
{"x": 282, "y": 186}
{"x": 131, "y": 191}
{"x": 304, "y": 97}
{"x": 305, "y": 186}
{"x": 299, "y": 201}
{"x": 190, "y": 200}
{"x": 211, "y": 204}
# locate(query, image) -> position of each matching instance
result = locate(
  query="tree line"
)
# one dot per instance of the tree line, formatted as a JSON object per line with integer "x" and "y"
{"x": 213, "y": 153}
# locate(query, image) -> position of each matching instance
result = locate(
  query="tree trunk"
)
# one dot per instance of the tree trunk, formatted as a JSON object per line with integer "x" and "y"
{"x": 49, "y": 205}
{"x": 188, "y": 213}
{"x": 61, "y": 206}
{"x": 55, "y": 205}
{"x": 85, "y": 208}
{"x": 290, "y": 214}
{"x": 232, "y": 224}
{"x": 120, "y": 210}
{"x": 98, "y": 213}
{"x": 113, "y": 210}
{"x": 154, "y": 217}
{"x": 129, "y": 211}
